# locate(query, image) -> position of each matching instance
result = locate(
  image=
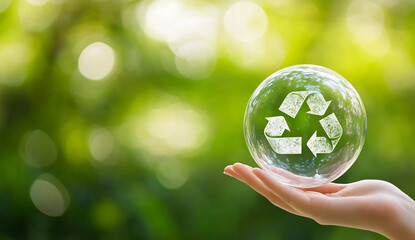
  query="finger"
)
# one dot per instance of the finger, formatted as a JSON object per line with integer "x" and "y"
{"x": 246, "y": 173}
{"x": 293, "y": 197}
{"x": 230, "y": 172}
{"x": 282, "y": 172}
{"x": 263, "y": 191}
{"x": 312, "y": 204}
{"x": 326, "y": 189}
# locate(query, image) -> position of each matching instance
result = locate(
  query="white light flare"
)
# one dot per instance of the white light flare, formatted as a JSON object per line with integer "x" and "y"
{"x": 365, "y": 20}
{"x": 245, "y": 21}
{"x": 162, "y": 18}
{"x": 96, "y": 61}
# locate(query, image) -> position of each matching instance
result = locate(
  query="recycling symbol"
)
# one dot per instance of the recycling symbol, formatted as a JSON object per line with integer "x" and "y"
{"x": 292, "y": 145}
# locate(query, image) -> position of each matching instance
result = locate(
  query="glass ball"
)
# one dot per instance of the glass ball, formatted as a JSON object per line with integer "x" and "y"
{"x": 305, "y": 125}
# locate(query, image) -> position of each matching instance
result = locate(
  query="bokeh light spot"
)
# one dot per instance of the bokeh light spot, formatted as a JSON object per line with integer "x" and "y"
{"x": 260, "y": 55}
{"x": 37, "y": 15}
{"x": 194, "y": 68}
{"x": 365, "y": 20}
{"x": 172, "y": 20}
{"x": 189, "y": 30}
{"x": 161, "y": 19}
{"x": 170, "y": 129}
{"x": 245, "y": 21}
{"x": 49, "y": 195}
{"x": 195, "y": 49}
{"x": 96, "y": 61}
{"x": 101, "y": 144}
{"x": 195, "y": 58}
{"x": 39, "y": 149}
{"x": 170, "y": 174}
{"x": 13, "y": 72}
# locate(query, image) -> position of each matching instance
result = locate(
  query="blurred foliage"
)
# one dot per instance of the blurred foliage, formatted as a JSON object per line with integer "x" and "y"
{"x": 118, "y": 116}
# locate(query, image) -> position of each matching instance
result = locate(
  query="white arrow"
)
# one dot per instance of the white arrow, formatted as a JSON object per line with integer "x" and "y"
{"x": 294, "y": 100}
{"x": 288, "y": 145}
{"x": 333, "y": 129}
{"x": 276, "y": 126}
{"x": 319, "y": 144}
{"x": 332, "y": 126}
{"x": 317, "y": 104}
{"x": 292, "y": 103}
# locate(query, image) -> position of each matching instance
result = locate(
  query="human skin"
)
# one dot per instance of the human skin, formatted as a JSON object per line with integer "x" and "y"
{"x": 372, "y": 205}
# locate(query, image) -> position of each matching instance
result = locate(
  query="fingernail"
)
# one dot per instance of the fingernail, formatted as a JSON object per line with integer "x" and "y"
{"x": 238, "y": 165}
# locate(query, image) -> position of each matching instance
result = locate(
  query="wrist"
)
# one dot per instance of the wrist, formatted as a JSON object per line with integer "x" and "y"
{"x": 402, "y": 227}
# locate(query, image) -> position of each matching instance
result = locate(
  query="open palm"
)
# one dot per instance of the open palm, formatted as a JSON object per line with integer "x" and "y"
{"x": 369, "y": 204}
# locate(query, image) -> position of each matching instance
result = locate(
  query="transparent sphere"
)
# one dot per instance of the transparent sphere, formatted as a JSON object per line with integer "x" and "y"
{"x": 305, "y": 125}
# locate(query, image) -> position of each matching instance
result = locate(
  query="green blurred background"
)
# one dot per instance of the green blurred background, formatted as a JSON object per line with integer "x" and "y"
{"x": 117, "y": 117}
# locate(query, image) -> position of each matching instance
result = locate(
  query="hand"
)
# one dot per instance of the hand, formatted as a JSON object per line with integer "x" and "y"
{"x": 372, "y": 205}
